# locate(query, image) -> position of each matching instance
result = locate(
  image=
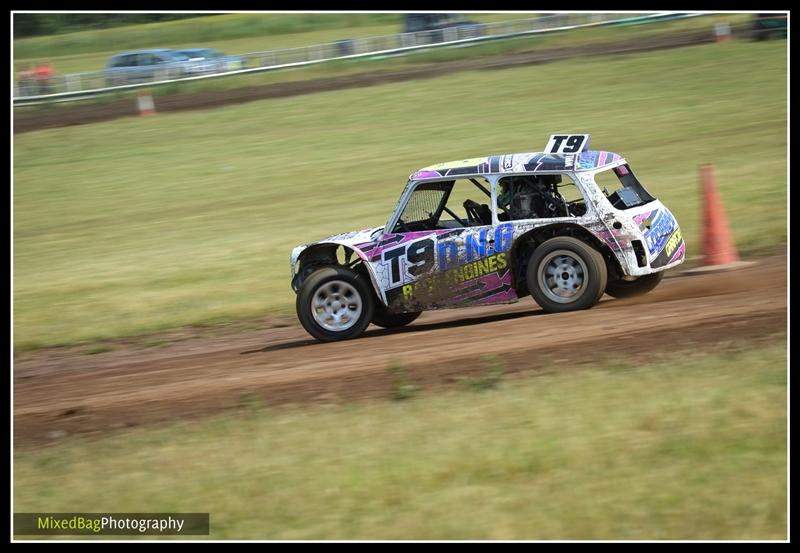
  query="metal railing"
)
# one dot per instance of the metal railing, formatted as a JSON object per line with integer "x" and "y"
{"x": 76, "y": 86}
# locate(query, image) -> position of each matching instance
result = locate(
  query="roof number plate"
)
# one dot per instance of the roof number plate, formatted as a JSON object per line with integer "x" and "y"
{"x": 567, "y": 144}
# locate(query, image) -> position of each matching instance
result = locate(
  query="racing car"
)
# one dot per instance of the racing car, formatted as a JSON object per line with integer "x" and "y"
{"x": 564, "y": 226}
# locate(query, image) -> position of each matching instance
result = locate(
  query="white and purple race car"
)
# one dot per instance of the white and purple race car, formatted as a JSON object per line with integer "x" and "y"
{"x": 564, "y": 226}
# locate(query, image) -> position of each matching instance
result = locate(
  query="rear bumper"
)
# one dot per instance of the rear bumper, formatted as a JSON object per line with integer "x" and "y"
{"x": 652, "y": 241}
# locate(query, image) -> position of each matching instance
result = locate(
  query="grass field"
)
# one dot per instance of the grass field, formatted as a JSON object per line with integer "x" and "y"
{"x": 234, "y": 34}
{"x": 687, "y": 448}
{"x": 147, "y": 223}
{"x": 95, "y": 60}
{"x": 209, "y": 28}
{"x": 563, "y": 39}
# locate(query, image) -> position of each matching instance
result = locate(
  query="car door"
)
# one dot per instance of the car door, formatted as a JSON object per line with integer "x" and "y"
{"x": 165, "y": 67}
{"x": 473, "y": 267}
{"x": 145, "y": 65}
{"x": 121, "y": 69}
{"x": 439, "y": 255}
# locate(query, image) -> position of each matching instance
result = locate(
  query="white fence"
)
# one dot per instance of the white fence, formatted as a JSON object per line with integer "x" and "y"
{"x": 76, "y": 86}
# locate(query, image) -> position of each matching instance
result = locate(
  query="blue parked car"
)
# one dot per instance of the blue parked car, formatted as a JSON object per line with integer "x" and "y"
{"x": 213, "y": 61}
{"x": 149, "y": 65}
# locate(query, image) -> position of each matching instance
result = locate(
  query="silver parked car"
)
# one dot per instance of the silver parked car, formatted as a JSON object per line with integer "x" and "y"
{"x": 213, "y": 61}
{"x": 149, "y": 65}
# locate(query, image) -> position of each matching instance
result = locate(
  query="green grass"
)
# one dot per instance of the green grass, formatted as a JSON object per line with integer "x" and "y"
{"x": 142, "y": 224}
{"x": 233, "y": 34}
{"x": 213, "y": 28}
{"x": 95, "y": 61}
{"x": 581, "y": 37}
{"x": 691, "y": 448}
{"x": 338, "y": 68}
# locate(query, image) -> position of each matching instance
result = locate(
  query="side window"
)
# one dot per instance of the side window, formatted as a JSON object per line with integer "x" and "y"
{"x": 467, "y": 205}
{"x": 145, "y": 59}
{"x": 129, "y": 60}
{"x": 445, "y": 205}
{"x": 539, "y": 197}
{"x": 572, "y": 196}
{"x": 622, "y": 188}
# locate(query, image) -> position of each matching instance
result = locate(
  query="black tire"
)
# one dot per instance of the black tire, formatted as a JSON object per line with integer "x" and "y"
{"x": 335, "y": 279}
{"x": 583, "y": 265}
{"x": 630, "y": 288}
{"x": 384, "y": 319}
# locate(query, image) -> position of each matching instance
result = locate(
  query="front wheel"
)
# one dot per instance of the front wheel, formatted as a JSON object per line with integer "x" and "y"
{"x": 335, "y": 303}
{"x": 566, "y": 274}
{"x": 630, "y": 288}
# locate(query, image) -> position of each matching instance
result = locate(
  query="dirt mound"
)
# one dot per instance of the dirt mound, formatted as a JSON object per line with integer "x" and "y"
{"x": 64, "y": 390}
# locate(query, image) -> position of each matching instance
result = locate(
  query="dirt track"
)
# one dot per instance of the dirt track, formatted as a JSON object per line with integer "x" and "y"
{"x": 66, "y": 115}
{"x": 64, "y": 390}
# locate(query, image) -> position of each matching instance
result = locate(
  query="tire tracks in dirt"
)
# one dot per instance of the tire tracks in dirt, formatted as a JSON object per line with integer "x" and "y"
{"x": 63, "y": 390}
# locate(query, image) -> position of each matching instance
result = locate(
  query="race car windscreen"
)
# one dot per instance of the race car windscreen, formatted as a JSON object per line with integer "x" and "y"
{"x": 622, "y": 188}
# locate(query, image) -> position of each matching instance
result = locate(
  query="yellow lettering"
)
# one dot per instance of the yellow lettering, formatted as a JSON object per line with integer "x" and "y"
{"x": 673, "y": 242}
{"x": 501, "y": 261}
{"x": 469, "y": 272}
{"x": 493, "y": 263}
{"x": 408, "y": 291}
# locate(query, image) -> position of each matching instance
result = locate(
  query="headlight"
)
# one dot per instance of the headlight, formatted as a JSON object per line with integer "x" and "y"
{"x": 294, "y": 257}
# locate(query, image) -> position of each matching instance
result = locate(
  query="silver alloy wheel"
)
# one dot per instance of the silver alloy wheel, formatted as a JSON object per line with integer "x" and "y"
{"x": 562, "y": 276}
{"x": 336, "y": 306}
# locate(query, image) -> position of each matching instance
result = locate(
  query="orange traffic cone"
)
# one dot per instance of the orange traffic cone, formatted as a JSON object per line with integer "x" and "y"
{"x": 144, "y": 102}
{"x": 718, "y": 245}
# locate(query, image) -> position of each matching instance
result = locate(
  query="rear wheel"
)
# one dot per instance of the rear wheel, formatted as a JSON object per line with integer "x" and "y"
{"x": 335, "y": 303}
{"x": 565, "y": 274}
{"x": 631, "y": 288}
{"x": 384, "y": 319}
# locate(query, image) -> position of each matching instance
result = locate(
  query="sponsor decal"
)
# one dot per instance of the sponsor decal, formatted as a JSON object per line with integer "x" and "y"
{"x": 448, "y": 280}
{"x": 615, "y": 239}
{"x": 656, "y": 235}
{"x": 457, "y": 164}
{"x": 638, "y": 219}
{"x": 419, "y": 175}
{"x": 407, "y": 261}
{"x": 587, "y": 160}
{"x": 680, "y": 253}
{"x": 674, "y": 241}
{"x": 674, "y": 249}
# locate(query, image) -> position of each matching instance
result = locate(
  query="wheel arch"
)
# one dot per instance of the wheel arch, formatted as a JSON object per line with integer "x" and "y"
{"x": 524, "y": 245}
{"x": 325, "y": 254}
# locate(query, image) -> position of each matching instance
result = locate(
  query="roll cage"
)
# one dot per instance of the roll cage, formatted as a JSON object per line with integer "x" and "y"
{"x": 395, "y": 223}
